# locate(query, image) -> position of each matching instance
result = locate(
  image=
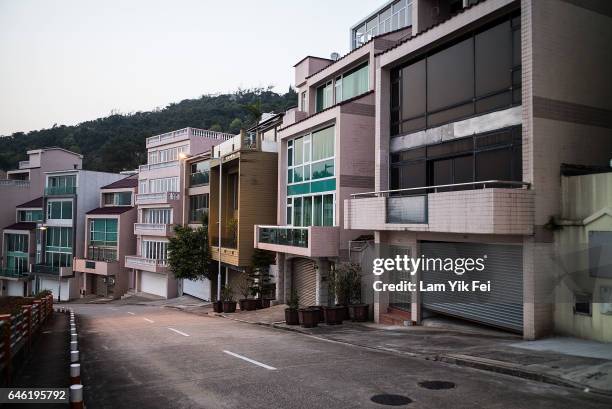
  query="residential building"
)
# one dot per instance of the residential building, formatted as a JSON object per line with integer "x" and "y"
{"x": 109, "y": 237}
{"x": 243, "y": 192}
{"x": 160, "y": 205}
{"x": 583, "y": 254}
{"x": 325, "y": 155}
{"x": 19, "y": 248}
{"x": 195, "y": 212}
{"x": 68, "y": 196}
{"x": 472, "y": 126}
{"x": 27, "y": 182}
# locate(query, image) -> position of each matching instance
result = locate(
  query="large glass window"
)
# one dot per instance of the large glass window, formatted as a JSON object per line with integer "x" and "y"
{"x": 62, "y": 181}
{"x": 16, "y": 251}
{"x": 59, "y": 209}
{"x": 117, "y": 199}
{"x": 392, "y": 17}
{"x": 198, "y": 207}
{"x": 157, "y": 216}
{"x": 353, "y": 83}
{"x": 103, "y": 232}
{"x": 156, "y": 250}
{"x": 325, "y": 96}
{"x": 478, "y": 74}
{"x": 312, "y": 210}
{"x": 166, "y": 155}
{"x": 200, "y": 173}
{"x": 311, "y": 157}
{"x": 163, "y": 185}
{"x": 491, "y": 156}
{"x": 58, "y": 248}
{"x": 29, "y": 215}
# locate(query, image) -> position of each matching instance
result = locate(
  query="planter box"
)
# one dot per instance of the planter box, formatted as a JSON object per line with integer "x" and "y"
{"x": 291, "y": 317}
{"x": 309, "y": 318}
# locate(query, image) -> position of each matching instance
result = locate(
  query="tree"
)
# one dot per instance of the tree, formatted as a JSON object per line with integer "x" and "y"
{"x": 260, "y": 277}
{"x": 189, "y": 253}
{"x": 235, "y": 125}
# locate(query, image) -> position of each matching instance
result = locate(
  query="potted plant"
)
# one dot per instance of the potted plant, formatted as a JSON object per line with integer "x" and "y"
{"x": 308, "y": 317}
{"x": 245, "y": 303}
{"x": 319, "y": 310}
{"x": 359, "y": 312}
{"x": 260, "y": 277}
{"x": 332, "y": 313}
{"x": 217, "y": 304}
{"x": 291, "y": 312}
{"x": 232, "y": 227}
{"x": 229, "y": 304}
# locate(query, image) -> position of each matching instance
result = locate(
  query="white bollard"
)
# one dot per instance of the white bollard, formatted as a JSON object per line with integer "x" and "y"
{"x": 76, "y": 396}
{"x": 75, "y": 374}
{"x": 73, "y": 346}
{"x": 73, "y": 337}
{"x": 74, "y": 356}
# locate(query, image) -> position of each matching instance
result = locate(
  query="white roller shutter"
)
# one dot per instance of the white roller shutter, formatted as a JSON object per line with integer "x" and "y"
{"x": 14, "y": 288}
{"x": 502, "y": 307}
{"x": 305, "y": 281}
{"x": 153, "y": 283}
{"x": 197, "y": 288}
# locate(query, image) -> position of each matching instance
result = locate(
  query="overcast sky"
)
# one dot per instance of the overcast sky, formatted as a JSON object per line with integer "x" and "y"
{"x": 68, "y": 61}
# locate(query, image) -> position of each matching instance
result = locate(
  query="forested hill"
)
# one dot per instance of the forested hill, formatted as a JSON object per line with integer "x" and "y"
{"x": 117, "y": 142}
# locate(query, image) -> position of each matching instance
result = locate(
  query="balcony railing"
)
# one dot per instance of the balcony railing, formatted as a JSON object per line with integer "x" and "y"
{"x": 226, "y": 242}
{"x": 15, "y": 182}
{"x": 184, "y": 133}
{"x": 148, "y": 262}
{"x": 284, "y": 236}
{"x": 101, "y": 254}
{"x": 161, "y": 165}
{"x": 197, "y": 216}
{"x": 13, "y": 273}
{"x": 60, "y": 190}
{"x": 24, "y": 164}
{"x": 152, "y": 228}
{"x": 199, "y": 178}
{"x": 148, "y": 198}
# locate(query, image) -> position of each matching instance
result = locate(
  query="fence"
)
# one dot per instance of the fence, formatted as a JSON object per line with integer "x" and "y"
{"x": 17, "y": 331}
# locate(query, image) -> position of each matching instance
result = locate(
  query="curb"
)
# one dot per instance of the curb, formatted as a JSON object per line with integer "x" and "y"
{"x": 508, "y": 368}
{"x": 484, "y": 364}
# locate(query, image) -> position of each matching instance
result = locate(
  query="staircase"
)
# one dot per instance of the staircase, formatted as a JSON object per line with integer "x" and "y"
{"x": 396, "y": 317}
{"x": 131, "y": 292}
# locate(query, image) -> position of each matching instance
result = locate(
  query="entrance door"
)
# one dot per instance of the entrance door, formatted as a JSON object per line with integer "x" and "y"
{"x": 305, "y": 281}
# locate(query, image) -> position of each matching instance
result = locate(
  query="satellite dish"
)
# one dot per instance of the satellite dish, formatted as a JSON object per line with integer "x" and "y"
{"x": 335, "y": 56}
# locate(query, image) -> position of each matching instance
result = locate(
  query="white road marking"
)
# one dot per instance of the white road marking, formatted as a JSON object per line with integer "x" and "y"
{"x": 271, "y": 368}
{"x": 131, "y": 313}
{"x": 113, "y": 308}
{"x": 148, "y": 320}
{"x": 105, "y": 347}
{"x": 178, "y": 332}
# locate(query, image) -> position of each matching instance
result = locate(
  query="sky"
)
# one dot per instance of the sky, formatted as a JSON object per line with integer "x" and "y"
{"x": 68, "y": 61}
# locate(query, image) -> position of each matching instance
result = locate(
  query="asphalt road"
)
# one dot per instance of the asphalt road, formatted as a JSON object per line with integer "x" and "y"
{"x": 152, "y": 357}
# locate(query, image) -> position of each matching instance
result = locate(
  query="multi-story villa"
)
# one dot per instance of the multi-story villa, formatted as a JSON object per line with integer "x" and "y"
{"x": 68, "y": 195}
{"x": 325, "y": 155}
{"x": 243, "y": 177}
{"x": 160, "y": 204}
{"x": 475, "y": 113}
{"x": 19, "y": 248}
{"x": 109, "y": 237}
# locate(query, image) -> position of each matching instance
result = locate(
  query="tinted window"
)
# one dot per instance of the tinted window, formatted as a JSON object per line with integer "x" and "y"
{"x": 493, "y": 59}
{"x": 413, "y": 90}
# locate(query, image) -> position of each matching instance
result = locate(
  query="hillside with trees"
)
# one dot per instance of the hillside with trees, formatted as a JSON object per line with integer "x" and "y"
{"x": 117, "y": 142}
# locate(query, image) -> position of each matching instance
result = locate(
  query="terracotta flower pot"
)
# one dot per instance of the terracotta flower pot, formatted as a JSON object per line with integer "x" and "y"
{"x": 308, "y": 317}
{"x": 359, "y": 312}
{"x": 229, "y": 306}
{"x": 291, "y": 317}
{"x": 333, "y": 315}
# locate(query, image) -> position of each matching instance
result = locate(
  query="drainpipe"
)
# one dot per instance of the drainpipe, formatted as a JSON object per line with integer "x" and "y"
{"x": 219, "y": 222}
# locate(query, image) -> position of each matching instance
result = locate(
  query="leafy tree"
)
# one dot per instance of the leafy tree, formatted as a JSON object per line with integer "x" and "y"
{"x": 235, "y": 125}
{"x": 260, "y": 277}
{"x": 189, "y": 253}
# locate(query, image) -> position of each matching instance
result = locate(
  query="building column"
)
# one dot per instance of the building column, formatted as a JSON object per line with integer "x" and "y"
{"x": 322, "y": 279}
{"x": 381, "y": 298}
{"x": 279, "y": 278}
{"x": 287, "y": 274}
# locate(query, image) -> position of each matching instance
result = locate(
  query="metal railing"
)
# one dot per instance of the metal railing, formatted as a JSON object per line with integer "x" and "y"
{"x": 283, "y": 235}
{"x": 485, "y": 184}
{"x": 152, "y": 227}
{"x": 6, "y": 272}
{"x": 46, "y": 269}
{"x": 24, "y": 164}
{"x": 101, "y": 254}
{"x": 60, "y": 190}
{"x": 15, "y": 182}
{"x": 226, "y": 242}
{"x": 185, "y": 132}
{"x": 143, "y": 198}
{"x": 199, "y": 178}
{"x": 150, "y": 262}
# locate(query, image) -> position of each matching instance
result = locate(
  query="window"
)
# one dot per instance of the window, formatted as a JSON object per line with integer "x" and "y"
{"x": 199, "y": 173}
{"x": 59, "y": 209}
{"x": 304, "y": 102}
{"x": 156, "y": 250}
{"x": 163, "y": 185}
{"x": 311, "y": 157}
{"x": 198, "y": 208}
{"x": 352, "y": 83}
{"x": 58, "y": 248}
{"x": 166, "y": 155}
{"x": 393, "y": 17}
{"x": 29, "y": 215}
{"x": 312, "y": 210}
{"x": 103, "y": 232}
{"x": 62, "y": 181}
{"x": 324, "y": 96}
{"x": 491, "y": 156}
{"x": 118, "y": 199}
{"x": 157, "y": 216}
{"x": 478, "y": 74}
{"x": 583, "y": 304}
{"x": 234, "y": 190}
{"x": 16, "y": 253}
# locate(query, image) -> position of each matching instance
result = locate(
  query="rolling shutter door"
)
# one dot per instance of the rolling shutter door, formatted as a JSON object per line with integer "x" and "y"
{"x": 305, "y": 281}
{"x": 153, "y": 283}
{"x": 502, "y": 307}
{"x": 197, "y": 288}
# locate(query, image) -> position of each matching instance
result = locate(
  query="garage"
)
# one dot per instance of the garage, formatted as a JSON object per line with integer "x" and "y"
{"x": 15, "y": 288}
{"x": 502, "y": 307}
{"x": 153, "y": 283}
{"x": 62, "y": 292}
{"x": 305, "y": 281}
{"x": 197, "y": 288}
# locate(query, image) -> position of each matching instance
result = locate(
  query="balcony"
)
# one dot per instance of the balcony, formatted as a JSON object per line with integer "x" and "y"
{"x": 24, "y": 164}
{"x": 105, "y": 268}
{"x": 15, "y": 182}
{"x": 60, "y": 190}
{"x": 153, "y": 229}
{"x": 146, "y": 264}
{"x": 157, "y": 198}
{"x": 199, "y": 179}
{"x": 153, "y": 166}
{"x": 312, "y": 241}
{"x": 184, "y": 134}
{"x": 13, "y": 274}
{"x": 487, "y": 207}
{"x": 52, "y": 270}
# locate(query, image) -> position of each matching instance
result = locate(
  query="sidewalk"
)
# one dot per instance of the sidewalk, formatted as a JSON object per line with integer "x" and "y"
{"x": 47, "y": 366}
{"x": 562, "y": 361}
